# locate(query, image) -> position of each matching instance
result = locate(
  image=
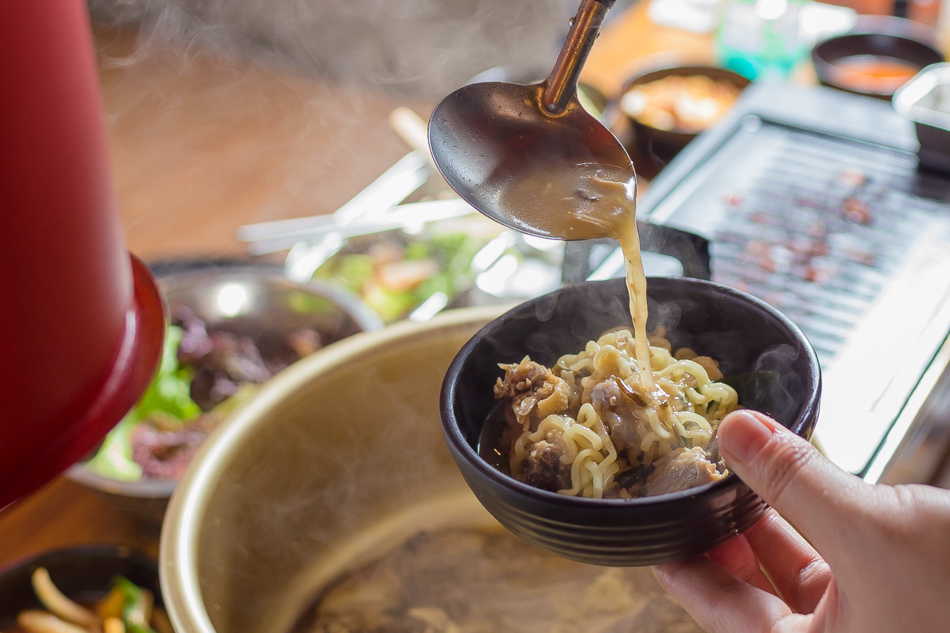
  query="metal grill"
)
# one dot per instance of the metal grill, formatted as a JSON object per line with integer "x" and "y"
{"x": 813, "y": 201}
{"x": 818, "y": 233}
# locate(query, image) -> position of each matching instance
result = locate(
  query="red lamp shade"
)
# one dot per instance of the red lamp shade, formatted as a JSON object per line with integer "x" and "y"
{"x": 81, "y": 321}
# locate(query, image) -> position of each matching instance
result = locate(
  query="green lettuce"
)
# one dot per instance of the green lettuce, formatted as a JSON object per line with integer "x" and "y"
{"x": 168, "y": 396}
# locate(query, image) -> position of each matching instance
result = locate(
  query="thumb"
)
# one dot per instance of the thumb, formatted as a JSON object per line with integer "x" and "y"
{"x": 790, "y": 475}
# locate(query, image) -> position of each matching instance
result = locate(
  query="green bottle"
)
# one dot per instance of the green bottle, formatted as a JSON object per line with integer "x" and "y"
{"x": 760, "y": 39}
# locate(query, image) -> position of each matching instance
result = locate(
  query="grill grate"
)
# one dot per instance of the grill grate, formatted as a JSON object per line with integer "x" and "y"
{"x": 818, "y": 233}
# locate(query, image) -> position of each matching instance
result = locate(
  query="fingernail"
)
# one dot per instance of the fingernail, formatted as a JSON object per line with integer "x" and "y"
{"x": 742, "y": 435}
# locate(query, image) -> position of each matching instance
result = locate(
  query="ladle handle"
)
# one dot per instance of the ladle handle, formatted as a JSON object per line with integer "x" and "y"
{"x": 585, "y": 27}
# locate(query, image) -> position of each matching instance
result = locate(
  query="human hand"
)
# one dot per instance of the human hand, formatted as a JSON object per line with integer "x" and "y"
{"x": 884, "y": 562}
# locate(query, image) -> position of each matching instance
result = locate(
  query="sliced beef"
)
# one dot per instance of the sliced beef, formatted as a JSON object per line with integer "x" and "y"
{"x": 620, "y": 407}
{"x": 543, "y": 468}
{"x": 164, "y": 453}
{"x": 681, "y": 469}
{"x": 222, "y": 361}
{"x": 533, "y": 391}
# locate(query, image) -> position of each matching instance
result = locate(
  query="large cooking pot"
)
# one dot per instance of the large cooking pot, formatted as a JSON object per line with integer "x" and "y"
{"x": 336, "y": 461}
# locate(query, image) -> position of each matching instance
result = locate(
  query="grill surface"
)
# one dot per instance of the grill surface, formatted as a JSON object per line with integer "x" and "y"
{"x": 818, "y": 230}
{"x": 812, "y": 201}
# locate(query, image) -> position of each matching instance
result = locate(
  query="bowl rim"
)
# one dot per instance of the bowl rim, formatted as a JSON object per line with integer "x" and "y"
{"x": 142, "y": 488}
{"x": 668, "y": 68}
{"x": 820, "y": 48}
{"x": 824, "y": 64}
{"x": 460, "y": 446}
{"x": 194, "y": 272}
{"x": 101, "y": 550}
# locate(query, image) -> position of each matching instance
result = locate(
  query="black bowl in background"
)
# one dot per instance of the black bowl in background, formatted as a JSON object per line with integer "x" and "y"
{"x": 82, "y": 573}
{"x": 665, "y": 144}
{"x": 774, "y": 367}
{"x": 877, "y": 36}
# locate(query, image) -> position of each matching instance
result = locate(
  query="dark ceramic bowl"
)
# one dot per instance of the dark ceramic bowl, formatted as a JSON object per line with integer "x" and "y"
{"x": 770, "y": 362}
{"x": 665, "y": 144}
{"x": 83, "y": 573}
{"x": 887, "y": 39}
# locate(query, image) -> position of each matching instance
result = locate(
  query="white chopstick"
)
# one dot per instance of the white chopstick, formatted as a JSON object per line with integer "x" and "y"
{"x": 391, "y": 188}
{"x": 399, "y": 217}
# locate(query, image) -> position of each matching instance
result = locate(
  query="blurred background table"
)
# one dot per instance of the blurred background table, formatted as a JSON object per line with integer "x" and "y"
{"x": 203, "y": 143}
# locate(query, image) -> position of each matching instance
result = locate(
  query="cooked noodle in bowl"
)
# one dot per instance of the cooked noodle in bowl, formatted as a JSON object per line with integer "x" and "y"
{"x": 589, "y": 426}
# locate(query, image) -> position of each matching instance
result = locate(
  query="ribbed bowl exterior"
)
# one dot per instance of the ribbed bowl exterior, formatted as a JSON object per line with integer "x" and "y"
{"x": 648, "y": 530}
{"x": 634, "y": 535}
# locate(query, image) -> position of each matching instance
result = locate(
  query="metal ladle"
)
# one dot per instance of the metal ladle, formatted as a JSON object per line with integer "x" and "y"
{"x": 486, "y": 136}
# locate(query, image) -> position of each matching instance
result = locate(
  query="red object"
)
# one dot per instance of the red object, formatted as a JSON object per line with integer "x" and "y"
{"x": 82, "y": 327}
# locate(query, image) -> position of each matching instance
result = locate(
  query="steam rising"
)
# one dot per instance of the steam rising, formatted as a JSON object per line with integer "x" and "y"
{"x": 232, "y": 112}
{"x": 420, "y": 46}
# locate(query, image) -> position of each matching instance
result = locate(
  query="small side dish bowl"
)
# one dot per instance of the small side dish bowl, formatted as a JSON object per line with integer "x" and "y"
{"x": 763, "y": 354}
{"x": 684, "y": 101}
{"x": 84, "y": 574}
{"x": 875, "y": 58}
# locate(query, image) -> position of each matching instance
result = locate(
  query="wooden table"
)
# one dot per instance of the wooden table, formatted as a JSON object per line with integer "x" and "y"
{"x": 202, "y": 145}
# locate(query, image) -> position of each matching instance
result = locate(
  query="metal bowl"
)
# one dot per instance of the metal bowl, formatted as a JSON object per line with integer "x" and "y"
{"x": 749, "y": 338}
{"x": 925, "y": 100}
{"x": 328, "y": 462}
{"x": 242, "y": 299}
